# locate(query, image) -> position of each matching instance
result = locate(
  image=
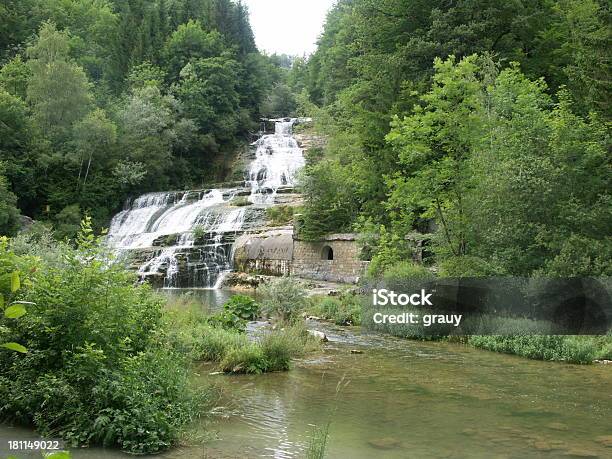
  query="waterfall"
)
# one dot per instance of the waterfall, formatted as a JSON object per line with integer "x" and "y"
{"x": 277, "y": 160}
{"x": 185, "y": 239}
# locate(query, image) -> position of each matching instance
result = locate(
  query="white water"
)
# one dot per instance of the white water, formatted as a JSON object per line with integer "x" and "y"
{"x": 166, "y": 224}
{"x": 277, "y": 160}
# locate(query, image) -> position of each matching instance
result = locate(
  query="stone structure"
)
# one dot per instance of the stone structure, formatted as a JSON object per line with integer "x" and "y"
{"x": 279, "y": 252}
{"x": 334, "y": 258}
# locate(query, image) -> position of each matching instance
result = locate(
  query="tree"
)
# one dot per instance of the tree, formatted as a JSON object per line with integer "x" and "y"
{"x": 280, "y": 102}
{"x": 190, "y": 42}
{"x": 94, "y": 137}
{"x": 93, "y": 27}
{"x": 434, "y": 145}
{"x": 208, "y": 91}
{"x": 147, "y": 119}
{"x": 58, "y": 91}
{"x": 9, "y": 214}
{"x": 15, "y": 76}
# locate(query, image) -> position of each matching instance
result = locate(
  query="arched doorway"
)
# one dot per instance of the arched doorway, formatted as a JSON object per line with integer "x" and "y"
{"x": 327, "y": 253}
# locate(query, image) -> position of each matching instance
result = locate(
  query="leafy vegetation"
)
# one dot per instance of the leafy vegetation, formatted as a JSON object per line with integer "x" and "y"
{"x": 283, "y": 298}
{"x": 89, "y": 330}
{"x": 570, "y": 349}
{"x": 342, "y": 310}
{"x": 104, "y": 99}
{"x": 498, "y": 149}
{"x": 200, "y": 337}
{"x": 236, "y": 312}
{"x": 280, "y": 215}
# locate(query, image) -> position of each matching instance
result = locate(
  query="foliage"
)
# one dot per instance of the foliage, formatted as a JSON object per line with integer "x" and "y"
{"x": 570, "y": 349}
{"x": 102, "y": 100}
{"x": 235, "y": 352}
{"x": 343, "y": 310}
{"x": 9, "y": 214}
{"x": 280, "y": 215}
{"x": 497, "y": 151}
{"x": 242, "y": 306}
{"x": 400, "y": 276}
{"x": 89, "y": 330}
{"x": 241, "y": 201}
{"x": 280, "y": 102}
{"x": 58, "y": 90}
{"x": 283, "y": 298}
{"x": 236, "y": 313}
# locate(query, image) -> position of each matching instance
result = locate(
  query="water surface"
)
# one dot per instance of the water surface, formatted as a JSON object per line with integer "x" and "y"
{"x": 402, "y": 399}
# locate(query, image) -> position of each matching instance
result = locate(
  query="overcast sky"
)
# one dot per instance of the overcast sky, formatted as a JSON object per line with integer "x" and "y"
{"x": 287, "y": 26}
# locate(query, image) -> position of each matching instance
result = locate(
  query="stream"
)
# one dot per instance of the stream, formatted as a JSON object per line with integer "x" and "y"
{"x": 401, "y": 399}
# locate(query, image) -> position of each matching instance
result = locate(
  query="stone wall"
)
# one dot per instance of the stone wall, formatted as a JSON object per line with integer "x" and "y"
{"x": 277, "y": 253}
{"x": 310, "y": 259}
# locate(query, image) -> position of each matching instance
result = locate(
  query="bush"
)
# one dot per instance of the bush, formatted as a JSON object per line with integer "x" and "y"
{"x": 242, "y": 306}
{"x": 99, "y": 367}
{"x": 284, "y": 298}
{"x": 280, "y": 347}
{"x": 403, "y": 276}
{"x": 248, "y": 358}
{"x": 9, "y": 213}
{"x": 467, "y": 266}
{"x": 236, "y": 312}
{"x": 571, "y": 349}
{"x": 199, "y": 232}
{"x": 234, "y": 351}
{"x": 280, "y": 215}
{"x": 343, "y": 310}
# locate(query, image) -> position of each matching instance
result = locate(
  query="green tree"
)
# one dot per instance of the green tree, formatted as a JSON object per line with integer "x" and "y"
{"x": 15, "y": 76}
{"x": 189, "y": 42}
{"x": 434, "y": 146}
{"x": 208, "y": 91}
{"x": 58, "y": 91}
{"x": 9, "y": 213}
{"x": 94, "y": 137}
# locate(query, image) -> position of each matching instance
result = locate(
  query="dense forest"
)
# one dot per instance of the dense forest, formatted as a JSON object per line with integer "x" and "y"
{"x": 103, "y": 99}
{"x": 484, "y": 123}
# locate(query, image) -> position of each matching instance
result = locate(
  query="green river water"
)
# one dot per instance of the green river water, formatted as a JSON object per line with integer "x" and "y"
{"x": 404, "y": 399}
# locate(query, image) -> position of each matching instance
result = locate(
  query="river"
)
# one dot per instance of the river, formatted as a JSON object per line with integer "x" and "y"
{"x": 402, "y": 399}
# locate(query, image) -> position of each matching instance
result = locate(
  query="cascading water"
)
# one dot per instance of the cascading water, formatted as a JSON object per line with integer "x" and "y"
{"x": 277, "y": 160}
{"x": 185, "y": 239}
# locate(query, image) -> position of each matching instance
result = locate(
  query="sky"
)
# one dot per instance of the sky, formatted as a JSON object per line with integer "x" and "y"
{"x": 287, "y": 26}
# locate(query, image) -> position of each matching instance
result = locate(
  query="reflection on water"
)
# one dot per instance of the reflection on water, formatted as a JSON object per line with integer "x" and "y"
{"x": 407, "y": 399}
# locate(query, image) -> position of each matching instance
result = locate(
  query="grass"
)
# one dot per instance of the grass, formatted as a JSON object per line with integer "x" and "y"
{"x": 558, "y": 348}
{"x": 318, "y": 442}
{"x": 522, "y": 337}
{"x": 280, "y": 215}
{"x": 235, "y": 352}
{"x": 342, "y": 310}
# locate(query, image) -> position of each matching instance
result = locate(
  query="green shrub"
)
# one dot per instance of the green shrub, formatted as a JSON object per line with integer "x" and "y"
{"x": 192, "y": 333}
{"x": 403, "y": 276}
{"x": 279, "y": 347}
{"x": 248, "y": 358}
{"x": 99, "y": 368}
{"x": 284, "y": 298}
{"x": 199, "y": 232}
{"x": 467, "y": 266}
{"x": 241, "y": 201}
{"x": 242, "y": 306}
{"x": 236, "y": 312}
{"x": 342, "y": 310}
{"x": 280, "y": 215}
